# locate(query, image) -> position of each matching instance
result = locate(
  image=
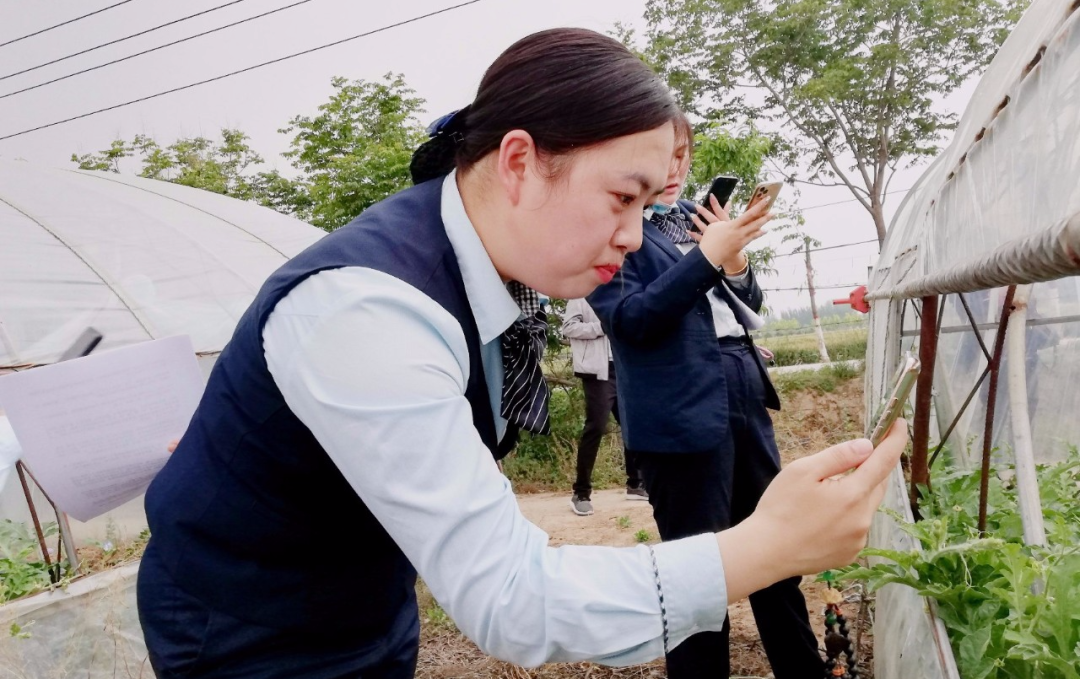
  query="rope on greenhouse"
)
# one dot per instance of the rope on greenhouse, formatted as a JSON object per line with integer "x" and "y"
{"x": 1048, "y": 255}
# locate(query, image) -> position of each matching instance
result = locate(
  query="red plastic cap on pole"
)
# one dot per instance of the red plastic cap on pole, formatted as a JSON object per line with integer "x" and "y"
{"x": 857, "y": 300}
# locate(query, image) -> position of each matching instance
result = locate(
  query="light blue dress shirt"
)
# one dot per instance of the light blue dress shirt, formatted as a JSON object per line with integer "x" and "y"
{"x": 377, "y": 371}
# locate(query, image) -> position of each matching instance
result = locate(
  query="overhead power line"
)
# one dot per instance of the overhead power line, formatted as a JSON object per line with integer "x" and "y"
{"x": 243, "y": 70}
{"x": 155, "y": 49}
{"x": 830, "y": 247}
{"x": 113, "y": 42}
{"x": 816, "y": 287}
{"x": 63, "y": 23}
{"x": 850, "y": 200}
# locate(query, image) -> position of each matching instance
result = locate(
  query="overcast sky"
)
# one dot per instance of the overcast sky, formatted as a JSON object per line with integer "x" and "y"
{"x": 442, "y": 58}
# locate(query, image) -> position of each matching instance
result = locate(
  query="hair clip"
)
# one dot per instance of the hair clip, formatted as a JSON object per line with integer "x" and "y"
{"x": 442, "y": 123}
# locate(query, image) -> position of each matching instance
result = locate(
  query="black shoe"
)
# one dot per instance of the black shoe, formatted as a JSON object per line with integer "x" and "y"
{"x": 638, "y": 493}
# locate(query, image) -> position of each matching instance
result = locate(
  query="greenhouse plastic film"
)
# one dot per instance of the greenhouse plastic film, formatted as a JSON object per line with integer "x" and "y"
{"x": 1052, "y": 366}
{"x": 999, "y": 207}
{"x": 908, "y": 640}
{"x": 90, "y": 631}
{"x": 134, "y": 258}
{"x": 1011, "y": 175}
{"x": 1046, "y": 256}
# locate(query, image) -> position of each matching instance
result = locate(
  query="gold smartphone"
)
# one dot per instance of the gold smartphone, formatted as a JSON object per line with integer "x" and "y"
{"x": 891, "y": 408}
{"x": 768, "y": 190}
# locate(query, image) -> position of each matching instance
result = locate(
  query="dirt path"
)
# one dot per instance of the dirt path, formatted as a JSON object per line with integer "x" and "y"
{"x": 551, "y": 511}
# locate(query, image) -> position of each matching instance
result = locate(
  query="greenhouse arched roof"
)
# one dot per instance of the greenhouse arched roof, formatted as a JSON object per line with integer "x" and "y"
{"x": 134, "y": 258}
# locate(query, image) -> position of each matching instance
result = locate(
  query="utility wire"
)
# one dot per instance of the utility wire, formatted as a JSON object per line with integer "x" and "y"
{"x": 850, "y": 200}
{"x": 154, "y": 49}
{"x": 118, "y": 40}
{"x": 816, "y": 287}
{"x": 243, "y": 70}
{"x": 63, "y": 23}
{"x": 803, "y": 254}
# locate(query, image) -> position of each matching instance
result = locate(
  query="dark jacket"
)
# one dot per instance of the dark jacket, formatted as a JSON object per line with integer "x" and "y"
{"x": 672, "y": 390}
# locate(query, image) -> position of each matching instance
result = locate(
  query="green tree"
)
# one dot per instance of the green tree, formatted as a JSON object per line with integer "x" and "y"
{"x": 356, "y": 151}
{"x": 104, "y": 161}
{"x": 855, "y": 85}
{"x": 221, "y": 167}
{"x": 718, "y": 150}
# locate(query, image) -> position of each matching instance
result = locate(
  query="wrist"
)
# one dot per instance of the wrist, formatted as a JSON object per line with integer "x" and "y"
{"x": 737, "y": 265}
{"x": 714, "y": 254}
{"x": 753, "y": 557}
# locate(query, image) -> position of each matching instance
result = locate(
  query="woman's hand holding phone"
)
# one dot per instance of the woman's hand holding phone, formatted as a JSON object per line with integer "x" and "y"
{"x": 812, "y": 517}
{"x": 723, "y": 239}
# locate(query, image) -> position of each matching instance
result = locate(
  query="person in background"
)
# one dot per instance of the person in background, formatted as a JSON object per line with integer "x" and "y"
{"x": 593, "y": 364}
{"x": 694, "y": 395}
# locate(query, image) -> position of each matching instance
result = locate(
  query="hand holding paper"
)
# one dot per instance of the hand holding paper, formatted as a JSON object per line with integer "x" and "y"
{"x": 94, "y": 430}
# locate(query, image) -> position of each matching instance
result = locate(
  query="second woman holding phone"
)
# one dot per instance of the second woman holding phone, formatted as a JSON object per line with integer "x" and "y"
{"x": 694, "y": 394}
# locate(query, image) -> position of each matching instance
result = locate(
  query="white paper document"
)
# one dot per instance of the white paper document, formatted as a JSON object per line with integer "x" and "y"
{"x": 94, "y": 430}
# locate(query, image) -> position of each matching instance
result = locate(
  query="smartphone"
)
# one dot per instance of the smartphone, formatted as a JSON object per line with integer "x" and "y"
{"x": 768, "y": 190}
{"x": 722, "y": 187}
{"x": 891, "y": 408}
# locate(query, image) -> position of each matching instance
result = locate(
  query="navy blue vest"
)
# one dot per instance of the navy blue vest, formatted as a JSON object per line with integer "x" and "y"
{"x": 250, "y": 515}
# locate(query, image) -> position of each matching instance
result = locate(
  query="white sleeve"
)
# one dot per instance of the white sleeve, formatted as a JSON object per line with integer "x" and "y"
{"x": 377, "y": 371}
{"x": 576, "y": 327}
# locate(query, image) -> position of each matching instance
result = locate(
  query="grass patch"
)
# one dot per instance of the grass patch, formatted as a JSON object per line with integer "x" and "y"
{"x": 432, "y": 616}
{"x": 824, "y": 380}
{"x": 842, "y": 345}
{"x": 549, "y": 463}
{"x": 23, "y": 571}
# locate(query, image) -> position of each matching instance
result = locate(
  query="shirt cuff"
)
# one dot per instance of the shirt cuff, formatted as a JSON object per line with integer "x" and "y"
{"x": 694, "y": 586}
{"x": 740, "y": 280}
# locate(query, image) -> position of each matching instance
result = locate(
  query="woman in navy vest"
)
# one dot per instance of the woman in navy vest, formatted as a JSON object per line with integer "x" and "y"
{"x": 344, "y": 441}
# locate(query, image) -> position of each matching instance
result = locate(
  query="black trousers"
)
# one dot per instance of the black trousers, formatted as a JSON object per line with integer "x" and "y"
{"x": 694, "y": 493}
{"x": 186, "y": 638}
{"x": 600, "y": 402}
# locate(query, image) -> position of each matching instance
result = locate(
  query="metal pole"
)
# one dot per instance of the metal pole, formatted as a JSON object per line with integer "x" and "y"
{"x": 959, "y": 414}
{"x": 1027, "y": 484}
{"x": 920, "y": 441}
{"x": 991, "y": 402}
{"x": 54, "y": 577}
{"x": 62, "y": 525}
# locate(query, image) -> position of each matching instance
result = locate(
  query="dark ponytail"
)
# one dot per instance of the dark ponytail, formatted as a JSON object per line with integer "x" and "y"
{"x": 569, "y": 88}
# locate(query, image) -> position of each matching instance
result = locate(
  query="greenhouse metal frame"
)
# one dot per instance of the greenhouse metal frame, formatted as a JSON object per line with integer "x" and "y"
{"x": 979, "y": 272}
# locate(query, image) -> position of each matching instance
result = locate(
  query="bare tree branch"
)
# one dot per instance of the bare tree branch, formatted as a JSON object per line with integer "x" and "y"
{"x": 883, "y": 124}
{"x": 827, "y": 185}
{"x": 829, "y": 155}
{"x": 859, "y": 162}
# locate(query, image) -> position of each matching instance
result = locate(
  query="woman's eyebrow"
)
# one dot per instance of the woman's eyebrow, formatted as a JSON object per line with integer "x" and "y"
{"x": 646, "y": 185}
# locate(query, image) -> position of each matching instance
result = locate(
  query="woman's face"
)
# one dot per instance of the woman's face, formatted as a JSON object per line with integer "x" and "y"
{"x": 571, "y": 232}
{"x": 676, "y": 180}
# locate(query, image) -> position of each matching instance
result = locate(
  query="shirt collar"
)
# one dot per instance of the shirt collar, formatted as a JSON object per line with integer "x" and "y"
{"x": 492, "y": 306}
